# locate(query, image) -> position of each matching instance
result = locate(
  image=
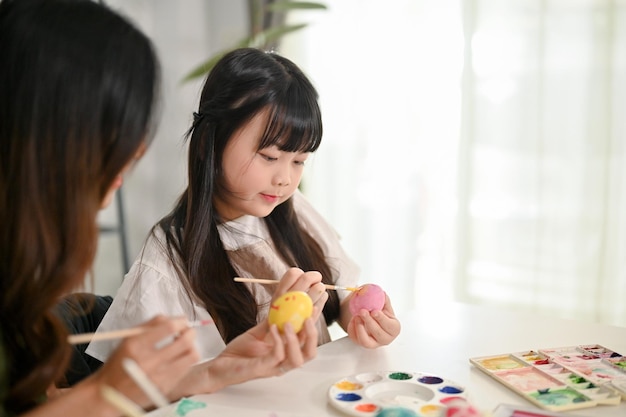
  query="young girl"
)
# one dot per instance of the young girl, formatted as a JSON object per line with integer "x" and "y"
{"x": 79, "y": 84}
{"x": 242, "y": 215}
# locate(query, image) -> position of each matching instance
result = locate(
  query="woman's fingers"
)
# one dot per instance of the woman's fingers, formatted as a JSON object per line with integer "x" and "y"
{"x": 164, "y": 364}
{"x": 309, "y": 344}
{"x": 299, "y": 348}
{"x": 161, "y": 329}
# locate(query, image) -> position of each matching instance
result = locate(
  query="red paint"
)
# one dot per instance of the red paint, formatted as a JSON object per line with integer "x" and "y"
{"x": 366, "y": 408}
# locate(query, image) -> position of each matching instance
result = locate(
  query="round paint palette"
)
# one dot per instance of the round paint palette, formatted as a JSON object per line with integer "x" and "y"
{"x": 371, "y": 394}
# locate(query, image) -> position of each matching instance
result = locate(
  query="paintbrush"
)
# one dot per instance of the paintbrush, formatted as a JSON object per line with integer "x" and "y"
{"x": 273, "y": 281}
{"x": 77, "y": 339}
{"x": 147, "y": 386}
{"x": 121, "y": 402}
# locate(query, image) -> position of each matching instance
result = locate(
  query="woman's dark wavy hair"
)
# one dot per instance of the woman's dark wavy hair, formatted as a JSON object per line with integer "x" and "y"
{"x": 243, "y": 83}
{"x": 78, "y": 93}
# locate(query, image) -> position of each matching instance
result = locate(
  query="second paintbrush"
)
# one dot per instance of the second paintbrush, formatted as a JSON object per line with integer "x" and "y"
{"x": 273, "y": 281}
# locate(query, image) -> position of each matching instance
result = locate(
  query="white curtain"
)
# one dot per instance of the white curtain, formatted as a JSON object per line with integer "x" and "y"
{"x": 474, "y": 150}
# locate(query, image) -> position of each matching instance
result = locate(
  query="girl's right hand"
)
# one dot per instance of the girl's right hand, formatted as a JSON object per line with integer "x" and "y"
{"x": 165, "y": 364}
{"x": 310, "y": 282}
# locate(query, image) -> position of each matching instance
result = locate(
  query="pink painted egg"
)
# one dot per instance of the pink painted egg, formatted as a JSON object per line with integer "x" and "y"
{"x": 292, "y": 307}
{"x": 369, "y": 297}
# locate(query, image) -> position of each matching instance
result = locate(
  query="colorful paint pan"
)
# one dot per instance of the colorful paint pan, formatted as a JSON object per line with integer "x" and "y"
{"x": 561, "y": 379}
{"x": 394, "y": 393}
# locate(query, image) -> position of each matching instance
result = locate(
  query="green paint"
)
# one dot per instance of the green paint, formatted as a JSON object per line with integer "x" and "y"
{"x": 186, "y": 405}
{"x": 399, "y": 375}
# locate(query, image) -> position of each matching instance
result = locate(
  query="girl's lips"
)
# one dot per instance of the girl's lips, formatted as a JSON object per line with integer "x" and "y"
{"x": 270, "y": 198}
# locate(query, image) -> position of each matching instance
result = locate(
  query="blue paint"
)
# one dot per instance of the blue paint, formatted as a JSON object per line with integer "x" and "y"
{"x": 450, "y": 390}
{"x": 348, "y": 396}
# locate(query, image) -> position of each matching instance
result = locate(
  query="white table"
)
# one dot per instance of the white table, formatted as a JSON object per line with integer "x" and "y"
{"x": 438, "y": 340}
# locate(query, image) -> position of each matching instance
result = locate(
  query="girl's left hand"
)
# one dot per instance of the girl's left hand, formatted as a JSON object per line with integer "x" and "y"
{"x": 376, "y": 328}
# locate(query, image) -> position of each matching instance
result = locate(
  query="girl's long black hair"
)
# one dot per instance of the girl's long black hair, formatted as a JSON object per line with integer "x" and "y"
{"x": 242, "y": 84}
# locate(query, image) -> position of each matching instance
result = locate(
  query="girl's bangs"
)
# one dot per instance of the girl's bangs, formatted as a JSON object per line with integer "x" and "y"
{"x": 293, "y": 129}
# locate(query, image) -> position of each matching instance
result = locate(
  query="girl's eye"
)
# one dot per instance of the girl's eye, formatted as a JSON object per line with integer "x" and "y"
{"x": 268, "y": 158}
{"x": 300, "y": 163}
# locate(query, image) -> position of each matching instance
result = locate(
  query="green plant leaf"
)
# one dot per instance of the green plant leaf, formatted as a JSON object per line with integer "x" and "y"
{"x": 258, "y": 41}
{"x": 203, "y": 68}
{"x": 283, "y": 6}
{"x": 262, "y": 39}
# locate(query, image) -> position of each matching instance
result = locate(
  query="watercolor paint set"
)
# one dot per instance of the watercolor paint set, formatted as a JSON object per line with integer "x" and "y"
{"x": 561, "y": 379}
{"x": 394, "y": 393}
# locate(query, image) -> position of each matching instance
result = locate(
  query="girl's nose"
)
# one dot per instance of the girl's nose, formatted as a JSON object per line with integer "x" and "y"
{"x": 282, "y": 177}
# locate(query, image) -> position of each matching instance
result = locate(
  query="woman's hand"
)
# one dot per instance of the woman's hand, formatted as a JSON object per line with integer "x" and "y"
{"x": 310, "y": 282}
{"x": 260, "y": 352}
{"x": 165, "y": 352}
{"x": 372, "y": 329}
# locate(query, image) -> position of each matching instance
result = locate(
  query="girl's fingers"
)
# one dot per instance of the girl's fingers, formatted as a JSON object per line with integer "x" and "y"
{"x": 380, "y": 328}
{"x": 317, "y": 310}
{"x": 288, "y": 280}
{"x": 318, "y": 295}
{"x": 358, "y": 333}
{"x": 311, "y": 283}
{"x": 390, "y": 324}
{"x": 297, "y": 280}
{"x": 387, "y": 308}
{"x": 376, "y": 332}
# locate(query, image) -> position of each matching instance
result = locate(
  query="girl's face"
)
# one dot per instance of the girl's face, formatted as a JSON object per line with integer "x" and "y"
{"x": 256, "y": 181}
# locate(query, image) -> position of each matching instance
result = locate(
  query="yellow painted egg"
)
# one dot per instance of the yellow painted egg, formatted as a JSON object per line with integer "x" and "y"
{"x": 292, "y": 307}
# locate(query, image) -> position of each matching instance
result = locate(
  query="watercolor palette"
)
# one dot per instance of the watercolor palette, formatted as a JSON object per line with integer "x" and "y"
{"x": 561, "y": 379}
{"x": 370, "y": 394}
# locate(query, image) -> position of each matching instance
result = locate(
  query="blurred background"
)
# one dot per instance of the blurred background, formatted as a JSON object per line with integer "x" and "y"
{"x": 474, "y": 150}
